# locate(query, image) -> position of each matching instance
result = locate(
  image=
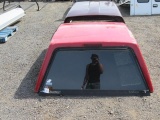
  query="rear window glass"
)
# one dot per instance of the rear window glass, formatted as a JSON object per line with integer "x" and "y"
{"x": 98, "y": 69}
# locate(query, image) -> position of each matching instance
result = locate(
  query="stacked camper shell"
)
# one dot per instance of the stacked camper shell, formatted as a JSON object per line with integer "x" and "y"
{"x": 94, "y": 11}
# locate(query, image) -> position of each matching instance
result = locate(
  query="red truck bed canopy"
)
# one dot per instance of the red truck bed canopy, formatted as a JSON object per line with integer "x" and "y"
{"x": 100, "y": 34}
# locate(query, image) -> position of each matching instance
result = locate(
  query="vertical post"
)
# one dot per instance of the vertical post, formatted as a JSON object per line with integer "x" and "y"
{"x": 37, "y": 5}
{"x": 4, "y": 5}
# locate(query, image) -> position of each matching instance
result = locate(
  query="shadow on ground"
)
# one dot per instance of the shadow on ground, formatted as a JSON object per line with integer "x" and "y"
{"x": 26, "y": 88}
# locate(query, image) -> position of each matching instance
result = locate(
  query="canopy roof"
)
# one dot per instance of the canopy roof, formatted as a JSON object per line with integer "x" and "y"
{"x": 95, "y": 8}
{"x": 93, "y": 32}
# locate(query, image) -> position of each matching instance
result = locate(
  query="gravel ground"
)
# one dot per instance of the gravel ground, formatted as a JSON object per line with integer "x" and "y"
{"x": 21, "y": 58}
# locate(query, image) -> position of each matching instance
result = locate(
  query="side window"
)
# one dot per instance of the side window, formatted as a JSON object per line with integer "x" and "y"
{"x": 142, "y": 1}
{"x": 157, "y": 0}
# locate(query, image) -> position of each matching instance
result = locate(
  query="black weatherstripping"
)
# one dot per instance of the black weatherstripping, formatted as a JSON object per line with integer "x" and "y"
{"x": 115, "y": 93}
{"x": 92, "y": 18}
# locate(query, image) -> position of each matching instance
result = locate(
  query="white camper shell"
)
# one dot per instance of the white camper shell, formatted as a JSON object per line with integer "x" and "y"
{"x": 94, "y": 10}
{"x": 143, "y": 7}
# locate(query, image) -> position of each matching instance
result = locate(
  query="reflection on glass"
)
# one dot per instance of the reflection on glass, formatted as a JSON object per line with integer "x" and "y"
{"x": 93, "y": 71}
{"x": 81, "y": 69}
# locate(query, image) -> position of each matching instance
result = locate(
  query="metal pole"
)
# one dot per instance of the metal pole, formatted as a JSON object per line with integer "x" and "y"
{"x": 37, "y": 5}
{"x": 4, "y": 4}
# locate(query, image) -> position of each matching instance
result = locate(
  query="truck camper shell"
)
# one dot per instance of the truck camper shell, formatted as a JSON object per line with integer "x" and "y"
{"x": 63, "y": 69}
{"x": 94, "y": 11}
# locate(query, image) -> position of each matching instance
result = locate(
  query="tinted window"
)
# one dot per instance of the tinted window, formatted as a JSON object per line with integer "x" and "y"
{"x": 157, "y": 0}
{"x": 94, "y": 18}
{"x": 120, "y": 70}
{"x": 142, "y": 1}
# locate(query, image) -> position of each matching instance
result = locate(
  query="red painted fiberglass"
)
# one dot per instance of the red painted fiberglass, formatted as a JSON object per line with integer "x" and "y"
{"x": 106, "y": 34}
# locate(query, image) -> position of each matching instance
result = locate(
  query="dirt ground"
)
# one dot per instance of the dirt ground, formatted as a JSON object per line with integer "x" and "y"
{"x": 22, "y": 55}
